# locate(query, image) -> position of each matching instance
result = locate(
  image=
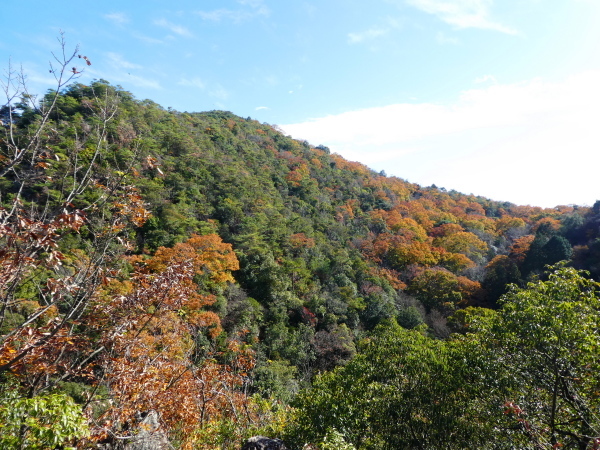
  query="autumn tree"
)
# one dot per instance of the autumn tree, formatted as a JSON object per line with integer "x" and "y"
{"x": 59, "y": 196}
{"x": 439, "y": 288}
{"x": 156, "y": 320}
{"x": 463, "y": 242}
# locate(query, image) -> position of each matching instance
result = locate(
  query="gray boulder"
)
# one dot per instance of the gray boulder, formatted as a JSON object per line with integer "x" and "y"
{"x": 263, "y": 443}
{"x": 149, "y": 435}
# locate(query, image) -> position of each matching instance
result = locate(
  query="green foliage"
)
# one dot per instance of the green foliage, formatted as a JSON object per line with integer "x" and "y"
{"x": 334, "y": 440}
{"x": 42, "y": 422}
{"x": 326, "y": 247}
{"x": 501, "y": 272}
{"x": 523, "y": 377}
{"x": 545, "y": 350}
{"x": 276, "y": 380}
{"x": 403, "y": 390}
{"x": 436, "y": 288}
{"x": 409, "y": 317}
{"x": 471, "y": 319}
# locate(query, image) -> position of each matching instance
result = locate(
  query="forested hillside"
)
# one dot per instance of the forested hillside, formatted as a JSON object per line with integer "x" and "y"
{"x": 209, "y": 268}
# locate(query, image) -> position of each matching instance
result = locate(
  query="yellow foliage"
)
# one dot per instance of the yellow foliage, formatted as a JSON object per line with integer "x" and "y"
{"x": 209, "y": 255}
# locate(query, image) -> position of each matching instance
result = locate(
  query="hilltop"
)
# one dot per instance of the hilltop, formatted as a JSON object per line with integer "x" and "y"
{"x": 151, "y": 257}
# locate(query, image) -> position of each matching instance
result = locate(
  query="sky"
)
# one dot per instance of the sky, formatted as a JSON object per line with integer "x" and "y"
{"x": 499, "y": 98}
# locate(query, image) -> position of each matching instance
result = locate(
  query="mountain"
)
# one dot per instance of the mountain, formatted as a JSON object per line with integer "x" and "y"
{"x": 151, "y": 258}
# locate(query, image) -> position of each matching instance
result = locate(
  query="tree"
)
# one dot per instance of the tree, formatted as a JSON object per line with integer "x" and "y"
{"x": 463, "y": 242}
{"x": 403, "y": 390}
{"x": 542, "y": 362}
{"x": 500, "y": 273}
{"x": 151, "y": 325}
{"x": 66, "y": 217}
{"x": 39, "y": 422}
{"x": 440, "y": 288}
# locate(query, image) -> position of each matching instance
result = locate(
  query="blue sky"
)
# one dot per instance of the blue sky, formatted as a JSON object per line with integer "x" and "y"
{"x": 499, "y": 98}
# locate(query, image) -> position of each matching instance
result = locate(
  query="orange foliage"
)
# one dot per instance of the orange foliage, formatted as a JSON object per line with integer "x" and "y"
{"x": 348, "y": 210}
{"x": 209, "y": 255}
{"x": 150, "y": 332}
{"x": 463, "y": 242}
{"x": 402, "y": 254}
{"x": 352, "y": 166}
{"x": 403, "y": 226}
{"x": 506, "y": 223}
{"x": 547, "y": 224}
{"x": 392, "y": 276}
{"x": 418, "y": 212}
{"x": 317, "y": 163}
{"x": 454, "y": 262}
{"x": 446, "y": 229}
{"x": 520, "y": 247}
{"x": 469, "y": 289}
{"x": 300, "y": 240}
{"x": 296, "y": 176}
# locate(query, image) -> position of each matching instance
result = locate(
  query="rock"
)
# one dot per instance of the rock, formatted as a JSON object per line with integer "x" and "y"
{"x": 263, "y": 443}
{"x": 149, "y": 435}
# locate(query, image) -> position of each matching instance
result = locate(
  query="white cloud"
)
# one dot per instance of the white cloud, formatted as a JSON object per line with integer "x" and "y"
{"x": 485, "y": 79}
{"x": 462, "y": 13}
{"x": 374, "y": 32}
{"x": 213, "y": 90}
{"x": 173, "y": 28}
{"x": 126, "y": 79}
{"x": 443, "y": 39}
{"x": 250, "y": 9}
{"x": 118, "y": 68}
{"x": 534, "y": 142}
{"x": 194, "y": 82}
{"x": 219, "y": 92}
{"x": 147, "y": 39}
{"x": 261, "y": 108}
{"x": 142, "y": 82}
{"x": 37, "y": 77}
{"x": 258, "y": 6}
{"x": 355, "y": 38}
{"x": 117, "y": 61}
{"x": 117, "y": 18}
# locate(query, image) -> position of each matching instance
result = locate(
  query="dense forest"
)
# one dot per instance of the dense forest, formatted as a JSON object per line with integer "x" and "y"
{"x": 236, "y": 282}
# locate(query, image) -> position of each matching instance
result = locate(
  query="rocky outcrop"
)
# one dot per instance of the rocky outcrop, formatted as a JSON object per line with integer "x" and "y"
{"x": 263, "y": 443}
{"x": 148, "y": 435}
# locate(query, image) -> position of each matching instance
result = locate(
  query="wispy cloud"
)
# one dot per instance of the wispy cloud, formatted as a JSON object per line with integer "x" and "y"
{"x": 117, "y": 18}
{"x": 486, "y": 79}
{"x": 173, "y": 28}
{"x": 219, "y": 92}
{"x": 194, "y": 82}
{"x": 215, "y": 90}
{"x": 374, "y": 32}
{"x": 463, "y": 13}
{"x": 249, "y": 10}
{"x": 445, "y": 40}
{"x": 355, "y": 38}
{"x": 147, "y": 39}
{"x": 474, "y": 144}
{"x": 120, "y": 72}
{"x": 118, "y": 62}
{"x": 37, "y": 75}
{"x": 261, "y": 108}
{"x": 142, "y": 82}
